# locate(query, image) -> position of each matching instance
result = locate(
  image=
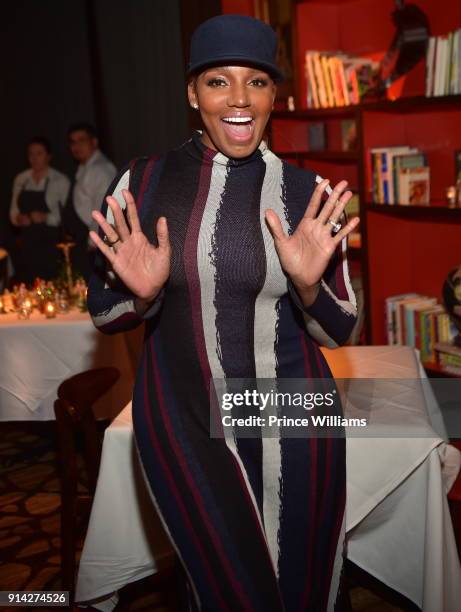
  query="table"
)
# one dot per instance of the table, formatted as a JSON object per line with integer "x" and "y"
{"x": 39, "y": 353}
{"x": 397, "y": 519}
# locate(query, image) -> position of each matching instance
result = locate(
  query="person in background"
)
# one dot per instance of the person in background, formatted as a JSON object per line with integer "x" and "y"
{"x": 94, "y": 174}
{"x": 38, "y": 195}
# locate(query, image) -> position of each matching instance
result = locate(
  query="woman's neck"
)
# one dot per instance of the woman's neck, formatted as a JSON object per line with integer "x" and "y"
{"x": 37, "y": 175}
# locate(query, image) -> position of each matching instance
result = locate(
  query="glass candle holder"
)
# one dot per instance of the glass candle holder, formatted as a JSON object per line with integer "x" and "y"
{"x": 50, "y": 310}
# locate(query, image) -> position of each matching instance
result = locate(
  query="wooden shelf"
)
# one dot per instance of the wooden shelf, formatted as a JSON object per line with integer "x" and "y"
{"x": 317, "y": 113}
{"x": 332, "y": 156}
{"x": 400, "y": 105}
{"x": 433, "y": 212}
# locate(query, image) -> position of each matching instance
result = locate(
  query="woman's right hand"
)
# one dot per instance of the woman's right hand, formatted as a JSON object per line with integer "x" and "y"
{"x": 143, "y": 267}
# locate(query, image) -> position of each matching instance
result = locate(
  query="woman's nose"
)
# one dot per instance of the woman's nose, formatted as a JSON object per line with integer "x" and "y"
{"x": 238, "y": 96}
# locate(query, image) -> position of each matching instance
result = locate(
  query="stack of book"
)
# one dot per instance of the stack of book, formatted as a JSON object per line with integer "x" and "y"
{"x": 449, "y": 357}
{"x": 400, "y": 175}
{"x": 443, "y": 65}
{"x": 418, "y": 320}
{"x": 335, "y": 79}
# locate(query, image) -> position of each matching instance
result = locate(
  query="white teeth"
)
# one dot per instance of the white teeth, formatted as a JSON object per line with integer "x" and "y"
{"x": 237, "y": 119}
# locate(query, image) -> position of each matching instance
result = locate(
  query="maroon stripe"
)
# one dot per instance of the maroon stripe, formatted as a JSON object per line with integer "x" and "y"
{"x": 174, "y": 489}
{"x": 195, "y": 491}
{"x": 191, "y": 266}
{"x": 307, "y": 365}
{"x": 120, "y": 322}
{"x": 193, "y": 281}
{"x": 308, "y": 588}
{"x": 145, "y": 181}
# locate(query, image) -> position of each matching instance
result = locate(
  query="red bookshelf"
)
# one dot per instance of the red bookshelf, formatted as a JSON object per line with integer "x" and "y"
{"x": 403, "y": 248}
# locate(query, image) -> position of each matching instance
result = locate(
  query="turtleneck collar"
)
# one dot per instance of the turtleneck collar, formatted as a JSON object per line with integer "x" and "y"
{"x": 200, "y": 151}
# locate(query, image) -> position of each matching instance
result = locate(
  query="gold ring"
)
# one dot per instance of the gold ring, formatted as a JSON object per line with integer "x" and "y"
{"x": 109, "y": 242}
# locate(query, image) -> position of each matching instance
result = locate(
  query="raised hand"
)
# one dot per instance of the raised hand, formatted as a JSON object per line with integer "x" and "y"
{"x": 305, "y": 254}
{"x": 142, "y": 267}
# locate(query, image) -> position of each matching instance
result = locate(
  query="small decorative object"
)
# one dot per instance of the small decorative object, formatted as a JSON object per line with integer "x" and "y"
{"x": 457, "y": 165}
{"x": 65, "y": 248}
{"x": 50, "y": 309}
{"x": 8, "y": 305}
{"x": 451, "y": 292}
{"x": 317, "y": 136}
{"x": 450, "y": 193}
{"x": 62, "y": 302}
{"x": 291, "y": 103}
{"x": 348, "y": 134}
{"x": 458, "y": 192}
{"x": 80, "y": 295}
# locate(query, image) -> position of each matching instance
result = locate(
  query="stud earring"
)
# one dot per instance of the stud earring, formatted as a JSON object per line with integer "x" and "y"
{"x": 195, "y": 105}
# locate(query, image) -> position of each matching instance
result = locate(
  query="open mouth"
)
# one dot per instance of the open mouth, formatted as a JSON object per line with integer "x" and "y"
{"x": 239, "y": 128}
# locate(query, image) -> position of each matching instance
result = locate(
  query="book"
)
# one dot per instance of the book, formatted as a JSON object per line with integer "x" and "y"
{"x": 430, "y": 63}
{"x": 316, "y": 136}
{"x": 412, "y": 158}
{"x": 414, "y": 186}
{"x": 313, "y": 98}
{"x": 321, "y": 90}
{"x": 327, "y": 80}
{"x": 410, "y": 311}
{"x": 390, "y": 316}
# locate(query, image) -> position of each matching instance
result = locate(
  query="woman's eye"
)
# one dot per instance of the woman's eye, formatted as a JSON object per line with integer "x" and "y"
{"x": 259, "y": 82}
{"x": 216, "y": 82}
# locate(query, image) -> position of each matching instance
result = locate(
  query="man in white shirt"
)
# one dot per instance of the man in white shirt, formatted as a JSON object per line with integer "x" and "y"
{"x": 93, "y": 177}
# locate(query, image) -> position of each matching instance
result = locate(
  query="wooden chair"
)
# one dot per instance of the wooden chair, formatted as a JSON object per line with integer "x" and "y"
{"x": 76, "y": 426}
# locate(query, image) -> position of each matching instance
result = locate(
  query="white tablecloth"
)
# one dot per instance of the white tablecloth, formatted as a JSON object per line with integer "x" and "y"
{"x": 37, "y": 354}
{"x": 397, "y": 517}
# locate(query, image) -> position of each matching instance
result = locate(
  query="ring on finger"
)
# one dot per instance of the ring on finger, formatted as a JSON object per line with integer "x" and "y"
{"x": 336, "y": 226}
{"x": 110, "y": 242}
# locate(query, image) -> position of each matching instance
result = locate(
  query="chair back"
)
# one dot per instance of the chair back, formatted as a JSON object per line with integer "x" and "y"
{"x": 75, "y": 421}
{"x": 74, "y": 413}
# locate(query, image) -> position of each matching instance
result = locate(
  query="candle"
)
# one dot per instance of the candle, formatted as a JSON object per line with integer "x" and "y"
{"x": 50, "y": 310}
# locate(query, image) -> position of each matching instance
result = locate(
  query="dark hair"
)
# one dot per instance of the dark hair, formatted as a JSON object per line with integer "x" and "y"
{"x": 41, "y": 140}
{"x": 83, "y": 127}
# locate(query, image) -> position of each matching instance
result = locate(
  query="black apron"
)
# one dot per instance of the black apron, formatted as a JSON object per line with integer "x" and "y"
{"x": 40, "y": 257}
{"x": 75, "y": 230}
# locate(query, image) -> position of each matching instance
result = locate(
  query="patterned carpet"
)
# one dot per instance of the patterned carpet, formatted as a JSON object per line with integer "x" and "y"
{"x": 29, "y": 520}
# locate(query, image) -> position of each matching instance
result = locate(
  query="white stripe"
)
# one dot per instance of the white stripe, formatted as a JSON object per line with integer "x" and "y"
{"x": 337, "y": 567}
{"x": 265, "y": 340}
{"x": 207, "y": 275}
{"x": 123, "y": 183}
{"x": 347, "y": 280}
{"x": 114, "y": 313}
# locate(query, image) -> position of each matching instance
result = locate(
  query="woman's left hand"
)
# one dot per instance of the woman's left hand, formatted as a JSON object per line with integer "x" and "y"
{"x": 305, "y": 254}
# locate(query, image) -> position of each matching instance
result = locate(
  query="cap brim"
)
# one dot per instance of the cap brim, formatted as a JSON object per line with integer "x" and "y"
{"x": 273, "y": 71}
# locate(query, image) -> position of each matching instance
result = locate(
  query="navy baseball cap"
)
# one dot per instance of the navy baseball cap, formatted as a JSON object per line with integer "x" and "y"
{"x": 234, "y": 39}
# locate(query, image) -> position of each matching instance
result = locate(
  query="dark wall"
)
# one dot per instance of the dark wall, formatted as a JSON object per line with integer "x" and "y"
{"x": 116, "y": 63}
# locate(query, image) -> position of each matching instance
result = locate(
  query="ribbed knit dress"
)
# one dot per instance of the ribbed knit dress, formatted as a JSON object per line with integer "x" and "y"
{"x": 257, "y": 523}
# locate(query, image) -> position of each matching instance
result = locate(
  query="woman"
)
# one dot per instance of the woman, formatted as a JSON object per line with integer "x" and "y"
{"x": 225, "y": 249}
{"x": 38, "y": 194}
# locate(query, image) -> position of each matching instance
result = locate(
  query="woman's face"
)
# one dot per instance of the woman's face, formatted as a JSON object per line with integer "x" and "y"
{"x": 235, "y": 103}
{"x": 38, "y": 157}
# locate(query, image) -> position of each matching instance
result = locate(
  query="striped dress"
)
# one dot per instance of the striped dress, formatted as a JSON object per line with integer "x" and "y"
{"x": 257, "y": 523}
